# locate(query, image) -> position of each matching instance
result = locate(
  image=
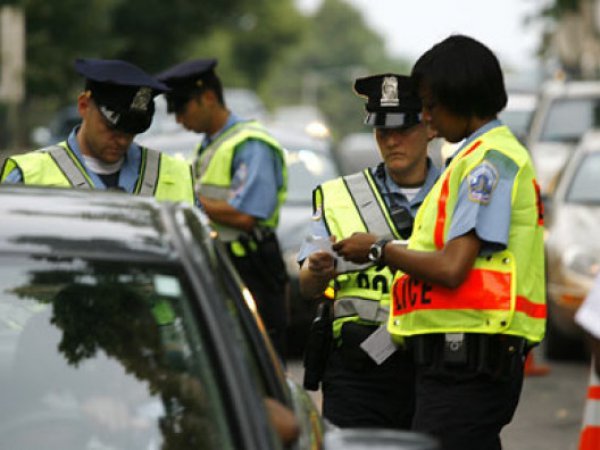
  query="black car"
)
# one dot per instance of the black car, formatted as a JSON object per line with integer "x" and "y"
{"x": 123, "y": 325}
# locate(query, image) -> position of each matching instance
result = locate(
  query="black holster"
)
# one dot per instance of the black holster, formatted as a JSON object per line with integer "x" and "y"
{"x": 318, "y": 345}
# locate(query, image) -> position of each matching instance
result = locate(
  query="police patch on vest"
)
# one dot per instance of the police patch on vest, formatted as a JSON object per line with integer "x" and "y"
{"x": 482, "y": 181}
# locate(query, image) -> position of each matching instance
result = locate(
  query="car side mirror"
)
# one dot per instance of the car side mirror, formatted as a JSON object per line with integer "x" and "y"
{"x": 380, "y": 439}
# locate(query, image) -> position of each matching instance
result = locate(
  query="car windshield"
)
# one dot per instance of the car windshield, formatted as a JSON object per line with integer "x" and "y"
{"x": 306, "y": 170}
{"x": 584, "y": 185}
{"x": 103, "y": 355}
{"x": 569, "y": 119}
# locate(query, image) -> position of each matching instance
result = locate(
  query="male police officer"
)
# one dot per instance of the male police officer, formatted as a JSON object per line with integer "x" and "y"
{"x": 357, "y": 391}
{"x": 241, "y": 181}
{"x": 117, "y": 104}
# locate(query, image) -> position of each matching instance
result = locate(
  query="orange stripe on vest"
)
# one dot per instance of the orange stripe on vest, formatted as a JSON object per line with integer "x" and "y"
{"x": 438, "y": 236}
{"x": 482, "y": 290}
{"x": 411, "y": 294}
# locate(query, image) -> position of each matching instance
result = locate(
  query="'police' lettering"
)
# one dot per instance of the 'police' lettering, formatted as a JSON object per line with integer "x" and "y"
{"x": 412, "y": 292}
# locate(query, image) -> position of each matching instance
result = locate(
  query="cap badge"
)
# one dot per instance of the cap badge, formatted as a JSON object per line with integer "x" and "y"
{"x": 142, "y": 99}
{"x": 389, "y": 92}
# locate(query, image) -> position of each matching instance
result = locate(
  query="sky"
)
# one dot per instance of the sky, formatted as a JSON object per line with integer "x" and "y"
{"x": 410, "y": 27}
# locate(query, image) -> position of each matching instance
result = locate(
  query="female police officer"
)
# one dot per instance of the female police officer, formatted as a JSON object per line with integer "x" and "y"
{"x": 472, "y": 300}
{"x": 357, "y": 391}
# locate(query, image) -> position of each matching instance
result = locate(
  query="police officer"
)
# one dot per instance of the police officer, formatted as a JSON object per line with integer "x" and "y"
{"x": 472, "y": 298}
{"x": 241, "y": 181}
{"x": 116, "y": 104}
{"x": 382, "y": 200}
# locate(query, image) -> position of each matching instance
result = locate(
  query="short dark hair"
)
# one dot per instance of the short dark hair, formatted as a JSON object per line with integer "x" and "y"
{"x": 463, "y": 75}
{"x": 212, "y": 82}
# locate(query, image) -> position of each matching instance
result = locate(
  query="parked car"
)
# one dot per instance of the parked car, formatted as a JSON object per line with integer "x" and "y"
{"x": 572, "y": 246}
{"x": 124, "y": 325}
{"x": 357, "y": 151}
{"x": 565, "y": 111}
{"x": 518, "y": 113}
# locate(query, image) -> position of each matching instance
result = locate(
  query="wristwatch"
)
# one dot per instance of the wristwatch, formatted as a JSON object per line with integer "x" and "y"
{"x": 376, "y": 251}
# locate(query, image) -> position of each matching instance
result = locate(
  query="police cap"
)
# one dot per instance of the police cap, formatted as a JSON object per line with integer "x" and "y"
{"x": 392, "y": 100}
{"x": 123, "y": 92}
{"x": 185, "y": 79}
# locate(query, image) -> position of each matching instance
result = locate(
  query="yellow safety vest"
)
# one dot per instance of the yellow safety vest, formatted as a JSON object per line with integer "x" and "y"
{"x": 160, "y": 175}
{"x": 353, "y": 204}
{"x": 503, "y": 293}
{"x": 213, "y": 169}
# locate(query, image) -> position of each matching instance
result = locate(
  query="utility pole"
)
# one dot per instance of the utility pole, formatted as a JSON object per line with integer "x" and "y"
{"x": 12, "y": 68}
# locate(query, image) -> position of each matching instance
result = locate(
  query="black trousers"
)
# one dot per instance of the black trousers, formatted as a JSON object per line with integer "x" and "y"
{"x": 271, "y": 301}
{"x": 363, "y": 394}
{"x": 464, "y": 407}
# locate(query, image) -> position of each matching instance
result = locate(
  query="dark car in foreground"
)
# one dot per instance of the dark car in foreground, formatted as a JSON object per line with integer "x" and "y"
{"x": 124, "y": 326}
{"x": 572, "y": 246}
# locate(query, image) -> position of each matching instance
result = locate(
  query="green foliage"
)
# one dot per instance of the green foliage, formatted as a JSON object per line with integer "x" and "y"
{"x": 337, "y": 48}
{"x": 265, "y": 45}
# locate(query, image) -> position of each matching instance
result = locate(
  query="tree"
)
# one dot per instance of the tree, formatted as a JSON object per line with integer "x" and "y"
{"x": 337, "y": 48}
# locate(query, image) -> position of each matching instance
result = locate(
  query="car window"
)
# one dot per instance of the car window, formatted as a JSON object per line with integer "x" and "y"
{"x": 104, "y": 355}
{"x": 306, "y": 170}
{"x": 584, "y": 185}
{"x": 517, "y": 120}
{"x": 568, "y": 119}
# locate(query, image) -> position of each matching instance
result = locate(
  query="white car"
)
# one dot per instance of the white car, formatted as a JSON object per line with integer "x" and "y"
{"x": 565, "y": 111}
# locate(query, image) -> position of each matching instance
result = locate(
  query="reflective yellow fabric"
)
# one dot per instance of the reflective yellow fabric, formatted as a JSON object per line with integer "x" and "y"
{"x": 526, "y": 314}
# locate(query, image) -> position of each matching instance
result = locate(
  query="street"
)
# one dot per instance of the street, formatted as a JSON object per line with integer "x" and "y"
{"x": 549, "y": 412}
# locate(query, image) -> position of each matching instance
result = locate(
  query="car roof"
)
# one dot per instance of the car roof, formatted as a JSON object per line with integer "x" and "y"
{"x": 91, "y": 224}
{"x": 556, "y": 88}
{"x": 590, "y": 141}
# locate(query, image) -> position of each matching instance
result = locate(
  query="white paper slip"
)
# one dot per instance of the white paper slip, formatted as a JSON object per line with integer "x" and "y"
{"x": 379, "y": 345}
{"x": 341, "y": 266}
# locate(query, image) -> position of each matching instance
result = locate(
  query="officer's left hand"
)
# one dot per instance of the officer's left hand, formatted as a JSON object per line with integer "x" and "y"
{"x": 356, "y": 247}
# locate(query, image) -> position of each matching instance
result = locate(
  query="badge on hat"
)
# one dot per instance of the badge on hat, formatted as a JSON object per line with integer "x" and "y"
{"x": 392, "y": 100}
{"x": 122, "y": 91}
{"x": 389, "y": 92}
{"x": 482, "y": 182}
{"x": 141, "y": 100}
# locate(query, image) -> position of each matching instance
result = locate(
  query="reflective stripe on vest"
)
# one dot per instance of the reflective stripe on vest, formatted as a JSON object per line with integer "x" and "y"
{"x": 368, "y": 207}
{"x": 149, "y": 178}
{"x": 440, "y": 224}
{"x": 366, "y": 309}
{"x": 351, "y": 204}
{"x": 504, "y": 292}
{"x": 65, "y": 162}
{"x": 590, "y": 431}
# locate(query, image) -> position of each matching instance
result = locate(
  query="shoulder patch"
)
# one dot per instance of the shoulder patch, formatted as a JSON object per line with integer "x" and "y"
{"x": 482, "y": 180}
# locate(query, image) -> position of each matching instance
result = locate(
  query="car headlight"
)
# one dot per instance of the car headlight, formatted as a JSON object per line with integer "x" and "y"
{"x": 581, "y": 262}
